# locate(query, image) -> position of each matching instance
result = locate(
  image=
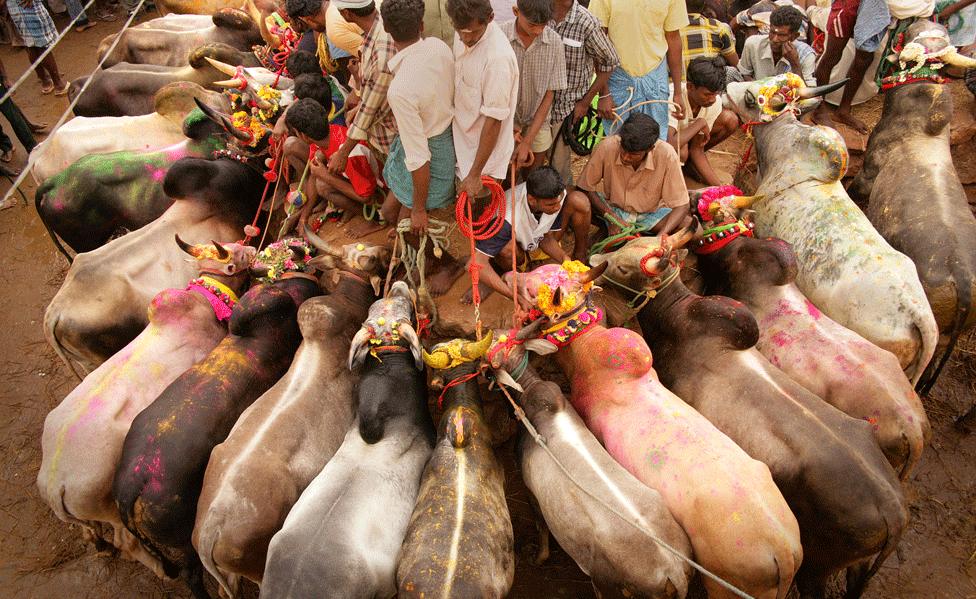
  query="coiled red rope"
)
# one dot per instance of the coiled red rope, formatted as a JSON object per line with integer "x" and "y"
{"x": 485, "y": 227}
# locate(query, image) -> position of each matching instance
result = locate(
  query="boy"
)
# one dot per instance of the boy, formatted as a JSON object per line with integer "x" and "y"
{"x": 541, "y": 212}
{"x": 542, "y": 71}
{"x": 641, "y": 178}
{"x": 706, "y": 123}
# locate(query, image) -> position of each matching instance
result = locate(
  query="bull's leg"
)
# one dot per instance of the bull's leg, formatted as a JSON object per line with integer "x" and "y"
{"x": 192, "y": 573}
{"x": 812, "y": 585}
{"x": 857, "y": 579}
{"x": 967, "y": 422}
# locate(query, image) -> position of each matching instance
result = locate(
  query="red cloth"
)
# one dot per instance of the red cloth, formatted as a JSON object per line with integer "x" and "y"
{"x": 843, "y": 14}
{"x": 361, "y": 168}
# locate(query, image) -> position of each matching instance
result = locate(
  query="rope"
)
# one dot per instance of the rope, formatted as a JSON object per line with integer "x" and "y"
{"x": 33, "y": 66}
{"x": 71, "y": 105}
{"x": 541, "y": 442}
{"x": 454, "y": 383}
{"x": 515, "y": 305}
{"x": 438, "y": 233}
{"x": 627, "y": 232}
{"x": 487, "y": 226}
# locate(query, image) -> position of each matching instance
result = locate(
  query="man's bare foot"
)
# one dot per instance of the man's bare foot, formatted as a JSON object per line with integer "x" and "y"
{"x": 7, "y": 155}
{"x": 821, "y": 116}
{"x": 485, "y": 291}
{"x": 442, "y": 277}
{"x": 844, "y": 116}
{"x": 361, "y": 228}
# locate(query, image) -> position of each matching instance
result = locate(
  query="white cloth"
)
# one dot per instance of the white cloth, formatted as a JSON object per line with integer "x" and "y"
{"x": 907, "y": 9}
{"x": 421, "y": 96}
{"x": 486, "y": 85}
{"x": 529, "y": 231}
{"x": 343, "y": 4}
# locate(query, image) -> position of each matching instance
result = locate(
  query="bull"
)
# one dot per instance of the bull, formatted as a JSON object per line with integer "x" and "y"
{"x": 739, "y": 525}
{"x": 82, "y": 439}
{"x": 828, "y": 465}
{"x": 845, "y": 267}
{"x": 373, "y": 477}
{"x": 289, "y": 434}
{"x": 596, "y": 509}
{"x": 165, "y": 454}
{"x": 169, "y": 41}
{"x": 835, "y": 363}
{"x": 911, "y": 191}
{"x": 459, "y": 542}
{"x": 82, "y": 136}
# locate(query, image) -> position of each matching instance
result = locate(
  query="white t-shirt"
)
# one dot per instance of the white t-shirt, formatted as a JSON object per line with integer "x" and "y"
{"x": 709, "y": 113}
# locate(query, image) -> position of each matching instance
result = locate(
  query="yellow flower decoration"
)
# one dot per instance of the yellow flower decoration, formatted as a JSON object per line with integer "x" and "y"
{"x": 569, "y": 300}
{"x": 786, "y": 86}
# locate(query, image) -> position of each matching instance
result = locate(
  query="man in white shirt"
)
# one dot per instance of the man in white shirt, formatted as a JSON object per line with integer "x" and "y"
{"x": 779, "y": 51}
{"x": 486, "y": 86}
{"x": 705, "y": 123}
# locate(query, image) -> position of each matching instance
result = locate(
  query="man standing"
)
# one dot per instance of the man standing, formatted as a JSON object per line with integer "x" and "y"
{"x": 645, "y": 32}
{"x": 586, "y": 46}
{"x": 486, "y": 90}
{"x": 780, "y": 51}
{"x": 542, "y": 71}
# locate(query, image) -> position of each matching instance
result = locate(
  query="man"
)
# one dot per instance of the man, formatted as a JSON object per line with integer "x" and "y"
{"x": 706, "y": 123}
{"x": 486, "y": 90}
{"x": 779, "y": 51}
{"x": 373, "y": 122}
{"x": 866, "y": 23}
{"x": 541, "y": 212}
{"x": 587, "y": 46}
{"x": 706, "y": 37}
{"x": 641, "y": 178}
{"x": 644, "y": 33}
{"x": 310, "y": 14}
{"x": 542, "y": 71}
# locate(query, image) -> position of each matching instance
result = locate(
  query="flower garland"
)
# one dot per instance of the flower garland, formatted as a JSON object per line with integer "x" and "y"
{"x": 927, "y": 65}
{"x": 786, "y": 86}
{"x": 723, "y": 195}
{"x": 279, "y": 258}
{"x": 558, "y": 279}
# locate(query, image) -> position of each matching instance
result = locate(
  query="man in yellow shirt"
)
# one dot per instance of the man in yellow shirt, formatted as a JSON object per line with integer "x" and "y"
{"x": 645, "y": 33}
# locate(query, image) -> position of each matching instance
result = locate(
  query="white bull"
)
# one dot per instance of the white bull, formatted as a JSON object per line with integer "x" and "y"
{"x": 845, "y": 267}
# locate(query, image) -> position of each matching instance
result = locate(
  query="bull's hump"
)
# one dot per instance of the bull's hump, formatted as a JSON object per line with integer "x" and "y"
{"x": 618, "y": 352}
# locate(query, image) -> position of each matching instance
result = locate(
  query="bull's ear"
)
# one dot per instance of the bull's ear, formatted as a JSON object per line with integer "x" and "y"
{"x": 598, "y": 259}
{"x": 323, "y": 262}
{"x": 541, "y": 346}
{"x": 680, "y": 255}
{"x": 232, "y": 18}
{"x": 377, "y": 282}
{"x": 504, "y": 378}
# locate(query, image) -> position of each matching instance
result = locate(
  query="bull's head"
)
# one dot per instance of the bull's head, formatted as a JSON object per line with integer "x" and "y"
{"x": 645, "y": 264}
{"x": 928, "y": 43}
{"x": 508, "y": 356}
{"x": 559, "y": 290}
{"x": 283, "y": 259}
{"x": 764, "y": 100}
{"x": 390, "y": 322}
{"x": 721, "y": 204}
{"x": 223, "y": 259}
{"x": 453, "y": 353}
{"x": 362, "y": 259}
{"x": 223, "y": 120}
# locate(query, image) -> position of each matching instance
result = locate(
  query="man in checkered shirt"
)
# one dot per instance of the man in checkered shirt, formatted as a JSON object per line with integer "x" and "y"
{"x": 704, "y": 37}
{"x": 586, "y": 45}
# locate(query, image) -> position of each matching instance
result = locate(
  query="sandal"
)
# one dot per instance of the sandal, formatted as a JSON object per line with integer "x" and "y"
{"x": 64, "y": 90}
{"x": 47, "y": 87}
{"x": 106, "y": 16}
{"x": 88, "y": 25}
{"x": 6, "y": 156}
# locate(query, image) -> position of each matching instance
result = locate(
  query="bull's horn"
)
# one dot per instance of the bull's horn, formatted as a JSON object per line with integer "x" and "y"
{"x": 321, "y": 244}
{"x": 557, "y": 296}
{"x": 473, "y": 350}
{"x": 681, "y": 238}
{"x": 745, "y": 201}
{"x": 594, "y": 273}
{"x": 222, "y": 253}
{"x": 230, "y": 128}
{"x": 438, "y": 360}
{"x": 358, "y": 348}
{"x": 822, "y": 90}
{"x": 186, "y": 247}
{"x": 407, "y": 332}
{"x": 210, "y": 113}
{"x": 958, "y": 60}
{"x": 234, "y": 83}
{"x": 223, "y": 67}
{"x": 530, "y": 330}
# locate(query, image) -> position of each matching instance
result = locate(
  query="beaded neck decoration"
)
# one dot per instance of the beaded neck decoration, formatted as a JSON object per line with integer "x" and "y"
{"x": 719, "y": 236}
{"x": 565, "y": 331}
{"x": 221, "y": 297}
{"x": 231, "y": 155}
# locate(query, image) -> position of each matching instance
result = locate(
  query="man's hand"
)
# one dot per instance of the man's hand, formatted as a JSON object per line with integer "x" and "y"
{"x": 791, "y": 56}
{"x": 471, "y": 185}
{"x": 352, "y": 101}
{"x": 579, "y": 110}
{"x": 605, "y": 106}
{"x": 679, "y": 110}
{"x": 318, "y": 170}
{"x": 337, "y": 164}
{"x": 704, "y": 134}
{"x": 523, "y": 155}
{"x": 418, "y": 221}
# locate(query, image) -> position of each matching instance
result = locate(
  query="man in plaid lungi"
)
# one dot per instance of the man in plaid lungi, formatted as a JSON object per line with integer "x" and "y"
{"x": 37, "y": 29}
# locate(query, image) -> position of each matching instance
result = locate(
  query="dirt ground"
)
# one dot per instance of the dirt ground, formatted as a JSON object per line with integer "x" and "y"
{"x": 41, "y": 557}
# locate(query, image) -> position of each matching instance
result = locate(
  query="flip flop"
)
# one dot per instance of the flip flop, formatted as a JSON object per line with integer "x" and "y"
{"x": 47, "y": 88}
{"x": 39, "y": 128}
{"x": 6, "y": 155}
{"x": 64, "y": 90}
{"x": 84, "y": 27}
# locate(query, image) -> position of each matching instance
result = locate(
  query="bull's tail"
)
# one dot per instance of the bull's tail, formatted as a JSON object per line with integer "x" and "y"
{"x": 51, "y": 333}
{"x": 170, "y": 568}
{"x": 205, "y": 545}
{"x": 857, "y": 583}
{"x": 39, "y": 196}
{"x": 964, "y": 303}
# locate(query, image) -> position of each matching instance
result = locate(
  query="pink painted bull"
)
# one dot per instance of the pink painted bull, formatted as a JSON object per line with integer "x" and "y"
{"x": 835, "y": 363}
{"x": 83, "y": 436}
{"x": 739, "y": 525}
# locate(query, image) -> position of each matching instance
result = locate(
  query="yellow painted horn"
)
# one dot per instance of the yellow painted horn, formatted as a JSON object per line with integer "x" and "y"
{"x": 234, "y": 83}
{"x": 958, "y": 60}
{"x": 438, "y": 360}
{"x": 223, "y": 67}
{"x": 745, "y": 201}
{"x": 473, "y": 350}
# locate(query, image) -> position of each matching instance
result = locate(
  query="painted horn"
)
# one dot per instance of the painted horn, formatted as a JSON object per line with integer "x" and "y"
{"x": 681, "y": 238}
{"x": 473, "y": 350}
{"x": 223, "y": 67}
{"x": 822, "y": 90}
{"x": 321, "y": 244}
{"x": 438, "y": 360}
{"x": 358, "y": 348}
{"x": 592, "y": 274}
{"x": 746, "y": 201}
{"x": 186, "y": 247}
{"x": 530, "y": 330}
{"x": 211, "y": 114}
{"x": 958, "y": 60}
{"x": 230, "y": 128}
{"x": 407, "y": 332}
{"x": 234, "y": 83}
{"x": 222, "y": 253}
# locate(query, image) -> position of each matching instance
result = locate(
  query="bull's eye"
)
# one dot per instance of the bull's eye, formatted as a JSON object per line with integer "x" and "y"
{"x": 750, "y": 99}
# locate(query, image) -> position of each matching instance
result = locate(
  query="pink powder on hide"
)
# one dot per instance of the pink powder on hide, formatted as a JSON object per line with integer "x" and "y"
{"x": 812, "y": 310}
{"x": 781, "y": 338}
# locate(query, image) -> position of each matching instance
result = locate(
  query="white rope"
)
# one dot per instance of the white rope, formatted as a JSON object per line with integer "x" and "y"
{"x": 520, "y": 414}
{"x": 23, "y": 174}
{"x": 44, "y": 54}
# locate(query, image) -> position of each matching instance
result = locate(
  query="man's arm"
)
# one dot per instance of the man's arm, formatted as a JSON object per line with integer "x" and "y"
{"x": 699, "y": 159}
{"x": 372, "y": 101}
{"x": 672, "y": 222}
{"x": 523, "y": 153}
{"x": 489, "y": 276}
{"x": 421, "y": 186}
{"x": 954, "y": 8}
{"x": 597, "y": 45}
{"x": 676, "y": 68}
{"x": 687, "y": 132}
{"x": 550, "y": 245}
{"x": 486, "y": 144}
